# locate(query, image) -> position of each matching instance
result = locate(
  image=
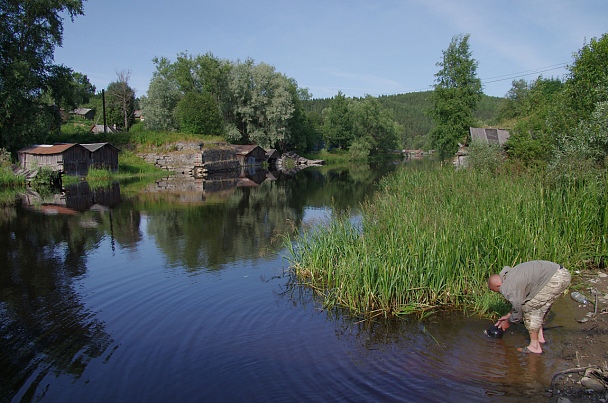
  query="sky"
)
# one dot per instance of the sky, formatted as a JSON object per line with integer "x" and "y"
{"x": 358, "y": 47}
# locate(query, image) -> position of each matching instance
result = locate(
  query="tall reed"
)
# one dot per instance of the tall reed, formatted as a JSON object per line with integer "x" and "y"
{"x": 431, "y": 238}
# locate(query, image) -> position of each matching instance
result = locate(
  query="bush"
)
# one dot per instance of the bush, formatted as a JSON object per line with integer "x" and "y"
{"x": 485, "y": 157}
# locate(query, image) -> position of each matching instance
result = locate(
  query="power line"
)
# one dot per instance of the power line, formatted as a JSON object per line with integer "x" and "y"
{"x": 521, "y": 74}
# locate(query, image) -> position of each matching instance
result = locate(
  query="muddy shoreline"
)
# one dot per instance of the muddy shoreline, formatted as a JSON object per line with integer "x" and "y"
{"x": 586, "y": 345}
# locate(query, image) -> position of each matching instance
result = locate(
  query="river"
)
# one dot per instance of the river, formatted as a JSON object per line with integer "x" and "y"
{"x": 181, "y": 291}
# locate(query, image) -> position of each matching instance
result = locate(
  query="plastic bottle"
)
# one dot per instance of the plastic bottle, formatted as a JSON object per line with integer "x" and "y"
{"x": 578, "y": 297}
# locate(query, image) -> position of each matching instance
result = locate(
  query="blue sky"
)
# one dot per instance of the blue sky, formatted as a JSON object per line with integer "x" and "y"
{"x": 358, "y": 47}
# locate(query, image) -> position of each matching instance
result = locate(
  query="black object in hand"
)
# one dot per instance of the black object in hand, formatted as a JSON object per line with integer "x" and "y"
{"x": 495, "y": 331}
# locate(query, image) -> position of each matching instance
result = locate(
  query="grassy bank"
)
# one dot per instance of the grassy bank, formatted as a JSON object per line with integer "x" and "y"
{"x": 431, "y": 238}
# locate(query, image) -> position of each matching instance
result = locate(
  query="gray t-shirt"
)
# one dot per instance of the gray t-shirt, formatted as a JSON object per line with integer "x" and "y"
{"x": 522, "y": 282}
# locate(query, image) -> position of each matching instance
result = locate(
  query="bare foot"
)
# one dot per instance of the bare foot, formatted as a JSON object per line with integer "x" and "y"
{"x": 527, "y": 350}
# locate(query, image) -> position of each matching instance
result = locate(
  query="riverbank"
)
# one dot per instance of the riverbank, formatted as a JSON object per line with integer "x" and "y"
{"x": 431, "y": 238}
{"x": 587, "y": 343}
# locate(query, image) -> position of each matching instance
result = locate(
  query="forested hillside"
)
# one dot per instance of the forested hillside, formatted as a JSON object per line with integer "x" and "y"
{"x": 409, "y": 111}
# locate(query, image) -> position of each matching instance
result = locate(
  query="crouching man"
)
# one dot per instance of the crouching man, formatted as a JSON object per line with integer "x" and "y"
{"x": 531, "y": 288}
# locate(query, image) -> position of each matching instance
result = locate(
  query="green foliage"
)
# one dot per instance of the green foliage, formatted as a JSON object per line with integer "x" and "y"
{"x": 199, "y": 114}
{"x": 430, "y": 239}
{"x": 457, "y": 91}
{"x": 374, "y": 125}
{"x": 588, "y": 144}
{"x": 46, "y": 180}
{"x": 7, "y": 177}
{"x": 337, "y": 123}
{"x": 30, "y": 31}
{"x": 526, "y": 147}
{"x": 160, "y": 104}
{"x": 359, "y": 149}
{"x": 262, "y": 105}
{"x": 485, "y": 157}
{"x": 588, "y": 73}
{"x": 257, "y": 104}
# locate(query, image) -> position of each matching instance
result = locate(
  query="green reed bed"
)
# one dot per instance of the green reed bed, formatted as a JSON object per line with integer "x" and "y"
{"x": 430, "y": 239}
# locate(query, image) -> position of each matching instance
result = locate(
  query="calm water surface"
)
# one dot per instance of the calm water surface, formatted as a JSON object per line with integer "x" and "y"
{"x": 182, "y": 293}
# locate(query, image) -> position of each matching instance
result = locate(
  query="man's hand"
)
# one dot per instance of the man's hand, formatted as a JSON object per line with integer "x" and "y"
{"x": 503, "y": 322}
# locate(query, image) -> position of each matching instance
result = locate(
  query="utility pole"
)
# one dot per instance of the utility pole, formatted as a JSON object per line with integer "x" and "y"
{"x": 103, "y": 100}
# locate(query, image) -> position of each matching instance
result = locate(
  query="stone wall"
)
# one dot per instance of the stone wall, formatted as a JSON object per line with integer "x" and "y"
{"x": 193, "y": 159}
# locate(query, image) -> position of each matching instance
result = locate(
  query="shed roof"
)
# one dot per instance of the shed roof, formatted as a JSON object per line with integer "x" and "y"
{"x": 81, "y": 111}
{"x": 245, "y": 149}
{"x": 47, "y": 149}
{"x": 271, "y": 152}
{"x": 92, "y": 147}
{"x": 489, "y": 135}
{"x": 100, "y": 129}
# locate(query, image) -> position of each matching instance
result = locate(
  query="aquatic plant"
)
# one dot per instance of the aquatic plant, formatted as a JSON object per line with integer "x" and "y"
{"x": 431, "y": 237}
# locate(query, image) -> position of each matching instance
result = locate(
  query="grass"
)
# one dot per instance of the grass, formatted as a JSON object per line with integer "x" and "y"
{"x": 430, "y": 239}
{"x": 8, "y": 179}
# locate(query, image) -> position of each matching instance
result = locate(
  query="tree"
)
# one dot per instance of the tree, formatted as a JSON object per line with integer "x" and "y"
{"x": 338, "y": 125}
{"x": 262, "y": 105}
{"x": 29, "y": 32}
{"x": 163, "y": 96}
{"x": 457, "y": 90}
{"x": 373, "y": 125}
{"x": 588, "y": 73}
{"x": 120, "y": 101}
{"x": 199, "y": 114}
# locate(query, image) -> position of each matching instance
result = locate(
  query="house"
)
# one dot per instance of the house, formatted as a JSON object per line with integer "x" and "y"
{"x": 138, "y": 116}
{"x": 68, "y": 158}
{"x": 272, "y": 156}
{"x": 249, "y": 155}
{"x": 84, "y": 113}
{"x": 103, "y": 156}
{"x": 489, "y": 135}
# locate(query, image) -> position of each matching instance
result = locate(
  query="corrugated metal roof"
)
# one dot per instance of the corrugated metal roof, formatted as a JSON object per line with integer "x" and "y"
{"x": 47, "y": 149}
{"x": 489, "y": 135}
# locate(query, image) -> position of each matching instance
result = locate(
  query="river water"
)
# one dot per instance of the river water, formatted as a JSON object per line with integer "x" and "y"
{"x": 181, "y": 291}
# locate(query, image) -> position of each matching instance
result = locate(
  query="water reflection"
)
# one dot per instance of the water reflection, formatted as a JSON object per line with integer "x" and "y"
{"x": 48, "y": 326}
{"x": 44, "y": 326}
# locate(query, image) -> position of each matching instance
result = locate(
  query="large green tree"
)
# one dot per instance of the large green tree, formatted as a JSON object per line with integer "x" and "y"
{"x": 29, "y": 32}
{"x": 374, "y": 125}
{"x": 262, "y": 105}
{"x": 457, "y": 90}
{"x": 338, "y": 122}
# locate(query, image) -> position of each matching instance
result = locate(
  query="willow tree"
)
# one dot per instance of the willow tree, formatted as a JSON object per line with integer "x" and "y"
{"x": 262, "y": 105}
{"x": 457, "y": 91}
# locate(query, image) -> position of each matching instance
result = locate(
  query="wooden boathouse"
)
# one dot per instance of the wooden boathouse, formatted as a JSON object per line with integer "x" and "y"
{"x": 249, "y": 155}
{"x": 103, "y": 156}
{"x": 69, "y": 158}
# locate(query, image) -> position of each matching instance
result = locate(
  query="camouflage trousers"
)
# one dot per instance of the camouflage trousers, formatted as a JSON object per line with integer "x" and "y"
{"x": 535, "y": 310}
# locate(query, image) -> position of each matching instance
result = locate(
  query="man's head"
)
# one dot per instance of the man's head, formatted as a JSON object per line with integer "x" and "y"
{"x": 494, "y": 282}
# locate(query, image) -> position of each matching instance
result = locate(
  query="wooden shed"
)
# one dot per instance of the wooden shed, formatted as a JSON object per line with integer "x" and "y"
{"x": 84, "y": 113}
{"x": 68, "y": 158}
{"x": 249, "y": 155}
{"x": 272, "y": 156}
{"x": 103, "y": 156}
